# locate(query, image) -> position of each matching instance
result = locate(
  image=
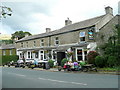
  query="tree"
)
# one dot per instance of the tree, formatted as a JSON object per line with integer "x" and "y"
{"x": 112, "y": 48}
{"x": 19, "y": 34}
{"x": 7, "y": 41}
{"x": 91, "y": 57}
{"x": 5, "y": 11}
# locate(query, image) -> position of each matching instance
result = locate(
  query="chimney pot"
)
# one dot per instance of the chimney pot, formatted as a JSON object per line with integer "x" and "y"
{"x": 109, "y": 10}
{"x": 26, "y": 35}
{"x": 68, "y": 22}
{"x": 48, "y": 30}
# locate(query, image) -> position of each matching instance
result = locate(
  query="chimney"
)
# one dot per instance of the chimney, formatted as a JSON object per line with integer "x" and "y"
{"x": 68, "y": 22}
{"x": 48, "y": 30}
{"x": 26, "y": 34}
{"x": 15, "y": 39}
{"x": 109, "y": 10}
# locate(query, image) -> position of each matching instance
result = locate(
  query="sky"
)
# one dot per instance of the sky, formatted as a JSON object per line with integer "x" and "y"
{"x": 35, "y": 16}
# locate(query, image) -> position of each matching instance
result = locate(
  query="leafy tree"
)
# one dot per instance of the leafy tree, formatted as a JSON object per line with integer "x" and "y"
{"x": 19, "y": 35}
{"x": 91, "y": 57}
{"x": 112, "y": 48}
{"x": 64, "y": 61}
{"x": 51, "y": 63}
{"x": 7, "y": 41}
{"x": 5, "y": 11}
{"x": 100, "y": 61}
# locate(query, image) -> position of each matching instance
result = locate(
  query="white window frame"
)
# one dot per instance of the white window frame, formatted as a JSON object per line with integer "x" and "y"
{"x": 83, "y": 55}
{"x": 4, "y": 52}
{"x": 10, "y": 52}
{"x": 22, "y": 45}
{"x": 41, "y": 54}
{"x": 56, "y": 41}
{"x": 42, "y": 42}
{"x": 82, "y": 36}
{"x": 30, "y": 55}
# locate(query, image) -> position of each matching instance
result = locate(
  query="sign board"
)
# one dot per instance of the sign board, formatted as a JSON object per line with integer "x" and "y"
{"x": 82, "y": 34}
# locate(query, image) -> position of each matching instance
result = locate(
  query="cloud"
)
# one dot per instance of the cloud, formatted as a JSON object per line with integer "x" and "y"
{"x": 36, "y": 15}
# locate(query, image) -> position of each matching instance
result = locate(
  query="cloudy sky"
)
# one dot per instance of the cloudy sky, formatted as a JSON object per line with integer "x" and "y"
{"x": 36, "y": 15}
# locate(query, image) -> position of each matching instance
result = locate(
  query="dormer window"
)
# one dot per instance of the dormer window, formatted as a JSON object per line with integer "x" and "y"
{"x": 82, "y": 36}
{"x": 56, "y": 41}
{"x": 42, "y": 42}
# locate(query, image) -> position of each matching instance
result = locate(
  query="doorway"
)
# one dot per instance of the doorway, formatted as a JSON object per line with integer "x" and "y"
{"x": 60, "y": 56}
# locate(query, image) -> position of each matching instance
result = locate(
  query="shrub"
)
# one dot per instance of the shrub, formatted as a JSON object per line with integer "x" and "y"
{"x": 100, "y": 61}
{"x": 112, "y": 61}
{"x": 64, "y": 61}
{"x": 51, "y": 63}
{"x": 8, "y": 58}
{"x": 91, "y": 57}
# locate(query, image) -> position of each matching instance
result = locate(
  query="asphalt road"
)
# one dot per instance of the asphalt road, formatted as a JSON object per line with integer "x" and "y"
{"x": 26, "y": 78}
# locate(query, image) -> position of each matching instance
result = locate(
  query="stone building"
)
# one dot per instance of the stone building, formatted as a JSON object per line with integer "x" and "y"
{"x": 9, "y": 49}
{"x": 78, "y": 38}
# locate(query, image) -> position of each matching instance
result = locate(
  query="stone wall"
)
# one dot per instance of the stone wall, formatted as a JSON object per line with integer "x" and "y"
{"x": 106, "y": 31}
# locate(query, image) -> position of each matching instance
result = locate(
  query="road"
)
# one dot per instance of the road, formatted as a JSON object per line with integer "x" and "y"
{"x": 26, "y": 78}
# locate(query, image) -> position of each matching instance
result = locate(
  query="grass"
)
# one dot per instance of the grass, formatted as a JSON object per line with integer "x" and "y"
{"x": 110, "y": 69}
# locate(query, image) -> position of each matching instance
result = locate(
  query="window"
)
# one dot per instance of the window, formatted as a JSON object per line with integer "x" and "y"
{"x": 31, "y": 55}
{"x": 21, "y": 44}
{"x": 28, "y": 54}
{"x": 21, "y": 55}
{"x": 79, "y": 54}
{"x": 10, "y": 52}
{"x": 42, "y": 42}
{"x": 54, "y": 55}
{"x": 26, "y": 44}
{"x": 85, "y": 52}
{"x": 41, "y": 51}
{"x": 82, "y": 36}
{"x": 82, "y": 39}
{"x": 41, "y": 55}
{"x": 34, "y": 43}
{"x": 4, "y": 52}
{"x": 36, "y": 54}
{"x": 56, "y": 41}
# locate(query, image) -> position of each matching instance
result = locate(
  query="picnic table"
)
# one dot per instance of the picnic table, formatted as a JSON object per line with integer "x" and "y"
{"x": 89, "y": 67}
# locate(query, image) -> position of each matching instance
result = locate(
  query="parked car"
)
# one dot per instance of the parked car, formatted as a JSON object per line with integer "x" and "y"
{"x": 29, "y": 61}
{"x": 20, "y": 61}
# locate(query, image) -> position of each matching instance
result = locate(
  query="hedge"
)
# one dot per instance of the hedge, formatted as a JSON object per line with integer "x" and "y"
{"x": 64, "y": 61}
{"x": 8, "y": 58}
{"x": 100, "y": 61}
{"x": 51, "y": 63}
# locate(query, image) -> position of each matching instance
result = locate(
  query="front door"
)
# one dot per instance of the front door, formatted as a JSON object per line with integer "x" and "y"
{"x": 60, "y": 56}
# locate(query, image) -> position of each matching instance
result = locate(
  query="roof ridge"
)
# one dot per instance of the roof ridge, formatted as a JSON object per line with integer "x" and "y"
{"x": 63, "y": 29}
{"x": 87, "y": 19}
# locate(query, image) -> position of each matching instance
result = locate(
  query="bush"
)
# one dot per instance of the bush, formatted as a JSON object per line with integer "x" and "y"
{"x": 100, "y": 61}
{"x": 8, "y": 58}
{"x": 112, "y": 61}
{"x": 51, "y": 63}
{"x": 91, "y": 57}
{"x": 64, "y": 61}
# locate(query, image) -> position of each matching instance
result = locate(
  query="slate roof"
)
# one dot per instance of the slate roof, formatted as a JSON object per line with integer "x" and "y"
{"x": 9, "y": 46}
{"x": 71, "y": 27}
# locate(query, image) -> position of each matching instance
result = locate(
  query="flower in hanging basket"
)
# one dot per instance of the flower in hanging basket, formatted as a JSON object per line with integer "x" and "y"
{"x": 70, "y": 53}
